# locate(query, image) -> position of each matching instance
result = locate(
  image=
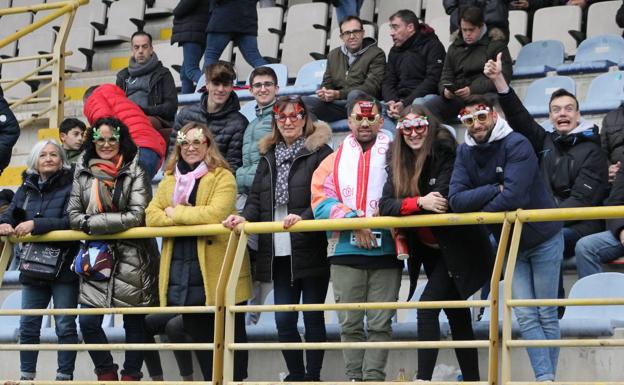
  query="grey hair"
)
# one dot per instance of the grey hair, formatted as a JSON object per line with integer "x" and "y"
{"x": 33, "y": 157}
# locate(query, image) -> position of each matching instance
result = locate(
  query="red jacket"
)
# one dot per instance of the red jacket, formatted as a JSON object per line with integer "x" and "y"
{"x": 108, "y": 100}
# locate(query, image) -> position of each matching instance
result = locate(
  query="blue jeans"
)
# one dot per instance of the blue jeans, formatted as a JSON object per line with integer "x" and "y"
{"x": 349, "y": 8}
{"x": 306, "y": 290}
{"x": 537, "y": 277}
{"x": 190, "y": 73}
{"x": 248, "y": 45}
{"x": 596, "y": 249}
{"x": 92, "y": 333}
{"x": 149, "y": 160}
{"x": 65, "y": 296}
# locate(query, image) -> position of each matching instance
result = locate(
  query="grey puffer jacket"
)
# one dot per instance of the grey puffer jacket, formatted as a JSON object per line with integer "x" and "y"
{"x": 135, "y": 274}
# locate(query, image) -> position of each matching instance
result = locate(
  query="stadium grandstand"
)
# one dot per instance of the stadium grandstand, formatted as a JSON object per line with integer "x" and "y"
{"x": 51, "y": 54}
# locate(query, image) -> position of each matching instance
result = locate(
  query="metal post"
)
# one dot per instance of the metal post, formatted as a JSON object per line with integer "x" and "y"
{"x": 57, "y": 93}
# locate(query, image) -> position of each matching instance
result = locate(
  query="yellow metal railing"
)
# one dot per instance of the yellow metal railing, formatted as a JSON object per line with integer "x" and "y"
{"x": 225, "y": 307}
{"x": 56, "y": 60}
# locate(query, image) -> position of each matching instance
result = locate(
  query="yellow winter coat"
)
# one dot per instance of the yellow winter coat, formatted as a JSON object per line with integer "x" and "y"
{"x": 216, "y": 198}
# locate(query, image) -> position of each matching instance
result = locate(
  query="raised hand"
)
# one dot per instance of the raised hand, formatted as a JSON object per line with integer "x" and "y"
{"x": 492, "y": 68}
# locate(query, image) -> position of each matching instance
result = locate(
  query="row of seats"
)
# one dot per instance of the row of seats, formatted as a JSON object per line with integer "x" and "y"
{"x": 578, "y": 321}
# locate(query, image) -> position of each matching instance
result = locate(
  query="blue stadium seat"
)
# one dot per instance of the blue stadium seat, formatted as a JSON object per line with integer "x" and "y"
{"x": 605, "y": 93}
{"x": 537, "y": 58}
{"x": 538, "y": 93}
{"x": 249, "y": 110}
{"x": 602, "y": 285}
{"x": 309, "y": 79}
{"x": 10, "y": 324}
{"x": 595, "y": 54}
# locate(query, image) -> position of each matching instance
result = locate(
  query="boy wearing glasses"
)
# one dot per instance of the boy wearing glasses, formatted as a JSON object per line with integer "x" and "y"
{"x": 495, "y": 170}
{"x": 354, "y": 67}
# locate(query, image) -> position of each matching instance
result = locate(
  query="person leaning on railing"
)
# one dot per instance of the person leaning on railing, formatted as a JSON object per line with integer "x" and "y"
{"x": 198, "y": 188}
{"x": 295, "y": 262}
{"x": 37, "y": 208}
{"x": 457, "y": 259}
{"x": 109, "y": 195}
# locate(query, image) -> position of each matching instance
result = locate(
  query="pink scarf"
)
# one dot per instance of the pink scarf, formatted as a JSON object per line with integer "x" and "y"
{"x": 186, "y": 182}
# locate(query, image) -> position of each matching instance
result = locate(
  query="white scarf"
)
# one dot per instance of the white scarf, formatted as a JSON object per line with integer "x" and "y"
{"x": 500, "y": 131}
{"x": 359, "y": 177}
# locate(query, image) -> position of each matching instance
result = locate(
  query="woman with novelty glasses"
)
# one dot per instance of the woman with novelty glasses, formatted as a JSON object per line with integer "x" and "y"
{"x": 295, "y": 262}
{"x": 198, "y": 188}
{"x": 456, "y": 259}
{"x": 109, "y": 195}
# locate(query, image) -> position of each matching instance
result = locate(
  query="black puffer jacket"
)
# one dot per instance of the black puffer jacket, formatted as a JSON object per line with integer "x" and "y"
{"x": 227, "y": 125}
{"x": 414, "y": 68}
{"x": 190, "y": 19}
{"x": 573, "y": 166}
{"x": 616, "y": 198}
{"x": 234, "y": 16}
{"x": 464, "y": 62}
{"x": 466, "y": 249}
{"x": 612, "y": 135}
{"x": 9, "y": 132}
{"x": 309, "y": 250}
{"x": 46, "y": 206}
{"x": 162, "y": 97}
{"x": 495, "y": 12}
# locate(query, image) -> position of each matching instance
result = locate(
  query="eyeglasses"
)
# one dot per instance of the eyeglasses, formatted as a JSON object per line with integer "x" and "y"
{"x": 468, "y": 119}
{"x": 353, "y": 32}
{"x": 417, "y": 125}
{"x": 101, "y": 142}
{"x": 281, "y": 118}
{"x": 371, "y": 119}
{"x": 259, "y": 85}
{"x": 185, "y": 145}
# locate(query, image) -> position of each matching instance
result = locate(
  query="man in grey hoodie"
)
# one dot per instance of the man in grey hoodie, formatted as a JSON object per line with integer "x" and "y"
{"x": 356, "y": 66}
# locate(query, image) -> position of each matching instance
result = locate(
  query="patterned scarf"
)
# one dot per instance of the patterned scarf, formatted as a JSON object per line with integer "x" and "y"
{"x": 284, "y": 157}
{"x": 104, "y": 176}
{"x": 186, "y": 182}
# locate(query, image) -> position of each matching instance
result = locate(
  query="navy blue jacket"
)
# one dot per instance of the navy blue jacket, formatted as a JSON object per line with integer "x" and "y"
{"x": 234, "y": 16}
{"x": 9, "y": 132}
{"x": 47, "y": 208}
{"x": 475, "y": 184}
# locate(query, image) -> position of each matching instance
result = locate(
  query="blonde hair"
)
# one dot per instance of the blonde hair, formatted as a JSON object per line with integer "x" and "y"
{"x": 213, "y": 158}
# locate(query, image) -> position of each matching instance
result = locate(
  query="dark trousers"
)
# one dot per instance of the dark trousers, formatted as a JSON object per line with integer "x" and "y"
{"x": 441, "y": 287}
{"x": 171, "y": 326}
{"x": 92, "y": 333}
{"x": 201, "y": 329}
{"x": 306, "y": 290}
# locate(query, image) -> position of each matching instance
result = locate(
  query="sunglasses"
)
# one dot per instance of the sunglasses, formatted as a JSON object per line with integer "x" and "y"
{"x": 196, "y": 143}
{"x": 417, "y": 125}
{"x": 101, "y": 142}
{"x": 371, "y": 119}
{"x": 468, "y": 119}
{"x": 281, "y": 118}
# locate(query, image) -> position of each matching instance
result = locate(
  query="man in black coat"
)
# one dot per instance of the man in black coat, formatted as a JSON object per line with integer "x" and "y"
{"x": 9, "y": 132}
{"x": 612, "y": 139}
{"x": 414, "y": 62}
{"x": 149, "y": 84}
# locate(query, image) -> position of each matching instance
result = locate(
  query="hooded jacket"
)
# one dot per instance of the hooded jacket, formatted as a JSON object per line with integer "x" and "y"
{"x": 506, "y": 160}
{"x": 9, "y": 132}
{"x": 574, "y": 166}
{"x": 464, "y": 62}
{"x": 162, "y": 96}
{"x": 466, "y": 250}
{"x": 190, "y": 19}
{"x": 364, "y": 74}
{"x": 135, "y": 273}
{"x": 414, "y": 68}
{"x": 227, "y": 125}
{"x": 109, "y": 100}
{"x": 46, "y": 206}
{"x": 495, "y": 12}
{"x": 256, "y": 130}
{"x": 309, "y": 250}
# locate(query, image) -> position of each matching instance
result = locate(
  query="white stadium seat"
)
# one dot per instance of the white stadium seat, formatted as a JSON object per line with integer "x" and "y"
{"x": 518, "y": 22}
{"x": 601, "y": 19}
{"x": 553, "y": 23}
{"x": 120, "y": 27}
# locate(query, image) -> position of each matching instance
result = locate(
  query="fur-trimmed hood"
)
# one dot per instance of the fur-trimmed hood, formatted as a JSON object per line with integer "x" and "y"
{"x": 322, "y": 135}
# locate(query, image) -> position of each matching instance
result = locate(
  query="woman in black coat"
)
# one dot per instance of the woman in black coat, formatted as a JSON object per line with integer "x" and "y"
{"x": 190, "y": 19}
{"x": 295, "y": 262}
{"x": 39, "y": 206}
{"x": 457, "y": 260}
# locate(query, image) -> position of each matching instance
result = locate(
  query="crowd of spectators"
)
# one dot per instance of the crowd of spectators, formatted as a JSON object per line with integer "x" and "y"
{"x": 398, "y": 159}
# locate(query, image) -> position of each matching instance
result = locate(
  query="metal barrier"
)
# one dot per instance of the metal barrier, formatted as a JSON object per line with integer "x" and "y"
{"x": 225, "y": 307}
{"x": 56, "y": 60}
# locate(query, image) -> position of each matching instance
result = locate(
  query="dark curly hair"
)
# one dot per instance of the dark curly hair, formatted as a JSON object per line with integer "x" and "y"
{"x": 127, "y": 147}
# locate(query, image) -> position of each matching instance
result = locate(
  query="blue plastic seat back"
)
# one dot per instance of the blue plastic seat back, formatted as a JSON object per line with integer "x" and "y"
{"x": 311, "y": 73}
{"x": 538, "y": 93}
{"x": 249, "y": 110}
{"x": 604, "y": 47}
{"x": 602, "y": 285}
{"x": 605, "y": 93}
{"x": 544, "y": 53}
{"x": 280, "y": 70}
